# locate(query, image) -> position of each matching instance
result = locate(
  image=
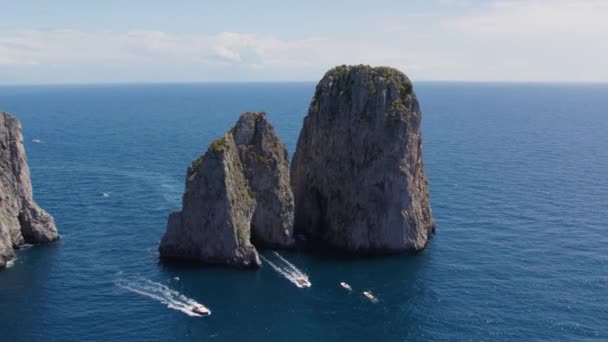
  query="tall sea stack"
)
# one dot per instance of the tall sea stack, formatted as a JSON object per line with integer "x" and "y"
{"x": 357, "y": 175}
{"x": 21, "y": 219}
{"x": 236, "y": 193}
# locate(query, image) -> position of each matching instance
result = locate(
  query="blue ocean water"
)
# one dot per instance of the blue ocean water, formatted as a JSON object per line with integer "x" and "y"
{"x": 518, "y": 185}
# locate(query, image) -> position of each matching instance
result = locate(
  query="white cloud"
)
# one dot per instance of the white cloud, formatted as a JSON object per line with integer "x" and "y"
{"x": 512, "y": 40}
{"x": 80, "y": 56}
{"x": 537, "y": 18}
{"x": 11, "y": 61}
{"x": 228, "y": 54}
{"x": 532, "y": 40}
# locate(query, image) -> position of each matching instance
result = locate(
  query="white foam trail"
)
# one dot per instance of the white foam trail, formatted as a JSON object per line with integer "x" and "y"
{"x": 162, "y": 293}
{"x": 289, "y": 271}
{"x": 286, "y": 273}
{"x": 292, "y": 266}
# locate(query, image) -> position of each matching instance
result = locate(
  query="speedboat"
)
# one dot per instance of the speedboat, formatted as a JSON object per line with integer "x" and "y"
{"x": 303, "y": 282}
{"x": 201, "y": 310}
{"x": 346, "y": 286}
{"x": 370, "y": 296}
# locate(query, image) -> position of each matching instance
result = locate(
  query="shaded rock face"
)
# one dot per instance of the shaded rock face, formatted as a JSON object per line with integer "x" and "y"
{"x": 265, "y": 161}
{"x": 357, "y": 174}
{"x": 21, "y": 219}
{"x": 237, "y": 191}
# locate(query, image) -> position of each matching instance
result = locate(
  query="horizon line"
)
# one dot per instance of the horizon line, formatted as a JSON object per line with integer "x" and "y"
{"x": 126, "y": 83}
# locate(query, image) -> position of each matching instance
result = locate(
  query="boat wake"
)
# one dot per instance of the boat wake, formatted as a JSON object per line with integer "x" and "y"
{"x": 288, "y": 270}
{"x": 162, "y": 293}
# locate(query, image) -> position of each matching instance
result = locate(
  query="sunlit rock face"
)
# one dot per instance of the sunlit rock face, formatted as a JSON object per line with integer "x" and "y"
{"x": 236, "y": 193}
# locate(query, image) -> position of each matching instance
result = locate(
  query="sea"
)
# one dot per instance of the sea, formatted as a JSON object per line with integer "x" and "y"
{"x": 518, "y": 176}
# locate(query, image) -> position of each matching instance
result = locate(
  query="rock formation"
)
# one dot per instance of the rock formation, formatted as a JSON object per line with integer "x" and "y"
{"x": 236, "y": 192}
{"x": 357, "y": 174}
{"x": 266, "y": 165}
{"x": 21, "y": 219}
{"x": 217, "y": 207}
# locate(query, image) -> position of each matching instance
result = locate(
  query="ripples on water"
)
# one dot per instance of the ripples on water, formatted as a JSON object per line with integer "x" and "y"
{"x": 518, "y": 187}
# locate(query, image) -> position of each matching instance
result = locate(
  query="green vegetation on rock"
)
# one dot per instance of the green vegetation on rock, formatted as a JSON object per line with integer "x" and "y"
{"x": 219, "y": 145}
{"x": 397, "y": 106}
{"x": 253, "y": 153}
{"x": 405, "y": 89}
{"x": 196, "y": 164}
{"x": 376, "y": 72}
{"x": 339, "y": 71}
{"x": 388, "y": 72}
{"x": 250, "y": 192}
{"x": 372, "y": 88}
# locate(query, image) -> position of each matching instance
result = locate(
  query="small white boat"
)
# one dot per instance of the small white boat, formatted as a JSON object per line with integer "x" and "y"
{"x": 37, "y": 141}
{"x": 303, "y": 282}
{"x": 201, "y": 310}
{"x": 346, "y": 286}
{"x": 105, "y": 194}
{"x": 370, "y": 296}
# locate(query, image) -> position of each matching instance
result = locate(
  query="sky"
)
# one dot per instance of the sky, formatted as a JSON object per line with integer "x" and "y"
{"x": 112, "y": 41}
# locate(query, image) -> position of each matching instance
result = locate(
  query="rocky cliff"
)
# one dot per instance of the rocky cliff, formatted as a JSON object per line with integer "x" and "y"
{"x": 357, "y": 174}
{"x": 265, "y": 161}
{"x": 21, "y": 219}
{"x": 238, "y": 191}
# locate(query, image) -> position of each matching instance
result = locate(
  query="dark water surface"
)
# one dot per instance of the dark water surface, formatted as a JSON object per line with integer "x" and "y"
{"x": 519, "y": 187}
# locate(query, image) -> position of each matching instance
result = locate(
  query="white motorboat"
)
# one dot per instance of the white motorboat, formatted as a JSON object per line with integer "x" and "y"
{"x": 303, "y": 282}
{"x": 201, "y": 310}
{"x": 346, "y": 286}
{"x": 370, "y": 296}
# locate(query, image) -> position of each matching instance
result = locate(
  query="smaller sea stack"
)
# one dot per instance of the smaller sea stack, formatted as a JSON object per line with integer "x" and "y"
{"x": 236, "y": 193}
